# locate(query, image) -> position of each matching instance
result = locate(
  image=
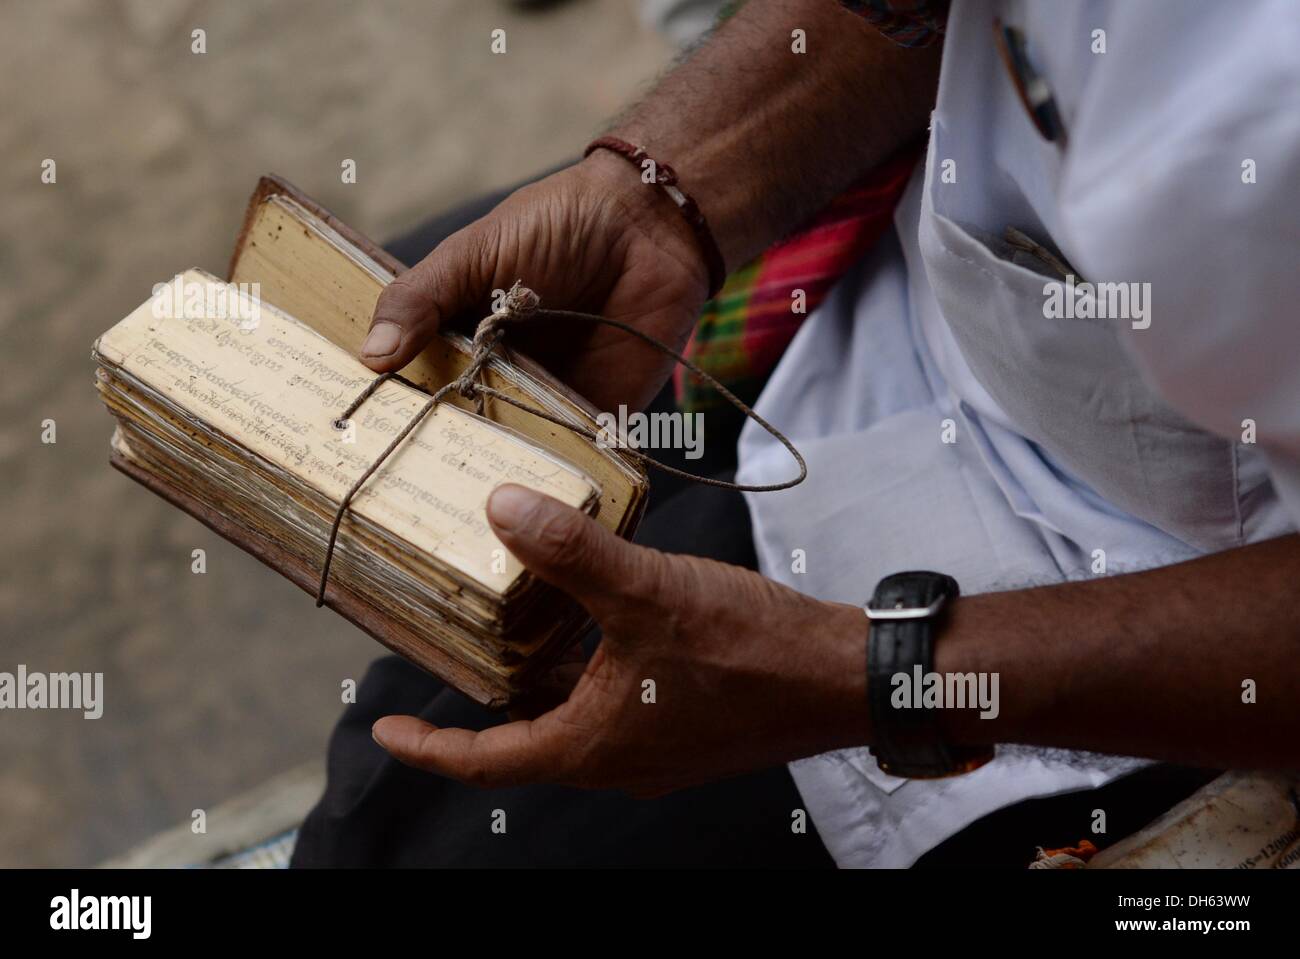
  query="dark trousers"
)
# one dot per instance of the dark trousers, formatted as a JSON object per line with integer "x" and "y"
{"x": 376, "y": 812}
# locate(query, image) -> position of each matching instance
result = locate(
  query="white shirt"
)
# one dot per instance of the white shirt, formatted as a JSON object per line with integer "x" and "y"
{"x": 1075, "y": 440}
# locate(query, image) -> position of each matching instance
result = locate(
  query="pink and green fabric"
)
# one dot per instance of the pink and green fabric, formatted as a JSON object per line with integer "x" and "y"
{"x": 743, "y": 330}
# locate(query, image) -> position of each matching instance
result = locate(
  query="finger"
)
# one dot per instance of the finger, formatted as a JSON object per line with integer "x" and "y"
{"x": 567, "y": 548}
{"x": 527, "y": 751}
{"x": 410, "y": 311}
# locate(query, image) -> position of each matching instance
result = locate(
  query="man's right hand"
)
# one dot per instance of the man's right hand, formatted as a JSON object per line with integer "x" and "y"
{"x": 592, "y": 238}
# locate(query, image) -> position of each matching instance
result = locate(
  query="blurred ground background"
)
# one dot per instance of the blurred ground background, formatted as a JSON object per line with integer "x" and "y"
{"x": 213, "y": 683}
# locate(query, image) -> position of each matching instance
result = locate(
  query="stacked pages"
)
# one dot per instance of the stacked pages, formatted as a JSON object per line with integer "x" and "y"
{"x": 229, "y": 407}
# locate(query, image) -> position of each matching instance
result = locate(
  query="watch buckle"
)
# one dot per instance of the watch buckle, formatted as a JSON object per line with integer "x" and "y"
{"x": 907, "y": 612}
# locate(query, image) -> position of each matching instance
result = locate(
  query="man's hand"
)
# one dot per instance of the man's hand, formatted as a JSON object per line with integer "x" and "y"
{"x": 760, "y": 136}
{"x": 591, "y": 238}
{"x": 1191, "y": 663}
{"x": 746, "y": 674}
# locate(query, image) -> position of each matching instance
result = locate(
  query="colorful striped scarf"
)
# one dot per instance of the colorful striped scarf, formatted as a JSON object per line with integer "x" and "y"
{"x": 743, "y": 331}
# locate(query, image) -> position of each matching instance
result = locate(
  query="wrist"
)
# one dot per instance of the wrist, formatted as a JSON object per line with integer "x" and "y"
{"x": 678, "y": 231}
{"x": 845, "y": 676}
{"x": 963, "y": 648}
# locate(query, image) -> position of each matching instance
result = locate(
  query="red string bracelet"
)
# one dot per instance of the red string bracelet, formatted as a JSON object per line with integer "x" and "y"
{"x": 666, "y": 178}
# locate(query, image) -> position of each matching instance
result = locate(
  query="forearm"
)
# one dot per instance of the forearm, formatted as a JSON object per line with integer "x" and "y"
{"x": 1148, "y": 664}
{"x": 763, "y": 137}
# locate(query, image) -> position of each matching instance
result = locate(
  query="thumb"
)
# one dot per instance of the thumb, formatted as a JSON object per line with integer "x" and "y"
{"x": 565, "y": 547}
{"x": 411, "y": 309}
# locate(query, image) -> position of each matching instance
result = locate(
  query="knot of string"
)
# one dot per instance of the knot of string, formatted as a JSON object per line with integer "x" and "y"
{"x": 520, "y": 304}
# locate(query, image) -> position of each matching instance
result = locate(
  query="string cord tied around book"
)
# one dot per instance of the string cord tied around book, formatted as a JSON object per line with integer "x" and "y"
{"x": 522, "y": 304}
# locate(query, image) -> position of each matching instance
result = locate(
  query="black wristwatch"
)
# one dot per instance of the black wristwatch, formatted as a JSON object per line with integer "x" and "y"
{"x": 906, "y": 613}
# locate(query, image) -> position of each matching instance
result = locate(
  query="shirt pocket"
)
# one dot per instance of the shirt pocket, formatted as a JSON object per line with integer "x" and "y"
{"x": 1068, "y": 383}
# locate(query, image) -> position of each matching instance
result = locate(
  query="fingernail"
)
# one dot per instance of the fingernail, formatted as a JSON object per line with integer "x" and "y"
{"x": 376, "y": 736}
{"x": 509, "y": 505}
{"x": 383, "y": 339}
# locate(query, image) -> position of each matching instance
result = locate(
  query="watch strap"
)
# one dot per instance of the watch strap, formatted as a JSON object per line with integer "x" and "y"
{"x": 908, "y": 741}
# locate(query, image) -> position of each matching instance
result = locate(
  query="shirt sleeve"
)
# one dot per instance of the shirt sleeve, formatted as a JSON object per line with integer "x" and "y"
{"x": 909, "y": 23}
{"x": 1183, "y": 171}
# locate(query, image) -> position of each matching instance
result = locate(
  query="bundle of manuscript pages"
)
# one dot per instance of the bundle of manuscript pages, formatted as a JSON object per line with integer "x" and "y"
{"x": 227, "y": 395}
